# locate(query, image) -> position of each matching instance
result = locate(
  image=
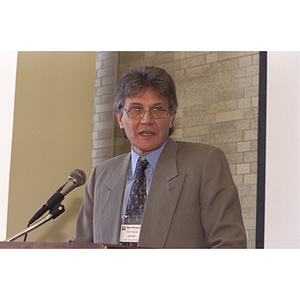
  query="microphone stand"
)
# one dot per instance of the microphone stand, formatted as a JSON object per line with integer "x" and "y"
{"x": 54, "y": 213}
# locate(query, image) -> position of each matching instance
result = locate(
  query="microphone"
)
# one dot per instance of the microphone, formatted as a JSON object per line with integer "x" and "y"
{"x": 76, "y": 178}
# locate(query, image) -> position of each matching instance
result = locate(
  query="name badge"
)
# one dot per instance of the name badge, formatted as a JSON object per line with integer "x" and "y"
{"x": 130, "y": 233}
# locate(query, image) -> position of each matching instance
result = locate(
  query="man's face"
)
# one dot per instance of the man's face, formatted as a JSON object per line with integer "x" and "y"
{"x": 146, "y": 134}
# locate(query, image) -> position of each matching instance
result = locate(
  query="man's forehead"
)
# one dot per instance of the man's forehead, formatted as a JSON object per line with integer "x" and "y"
{"x": 146, "y": 98}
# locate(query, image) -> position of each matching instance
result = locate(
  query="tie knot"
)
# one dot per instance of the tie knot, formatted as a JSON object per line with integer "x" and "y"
{"x": 142, "y": 164}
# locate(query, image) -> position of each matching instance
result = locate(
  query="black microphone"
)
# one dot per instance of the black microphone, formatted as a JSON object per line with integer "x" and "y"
{"x": 76, "y": 178}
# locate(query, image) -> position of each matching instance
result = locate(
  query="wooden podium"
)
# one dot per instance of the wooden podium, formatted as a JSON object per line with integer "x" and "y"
{"x": 52, "y": 245}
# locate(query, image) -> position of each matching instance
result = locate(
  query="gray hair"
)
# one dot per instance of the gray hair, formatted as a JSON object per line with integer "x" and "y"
{"x": 139, "y": 79}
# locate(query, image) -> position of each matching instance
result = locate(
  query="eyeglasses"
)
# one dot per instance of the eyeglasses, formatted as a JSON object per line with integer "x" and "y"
{"x": 138, "y": 113}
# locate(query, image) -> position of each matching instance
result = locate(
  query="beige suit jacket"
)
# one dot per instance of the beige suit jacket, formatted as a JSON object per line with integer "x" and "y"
{"x": 192, "y": 203}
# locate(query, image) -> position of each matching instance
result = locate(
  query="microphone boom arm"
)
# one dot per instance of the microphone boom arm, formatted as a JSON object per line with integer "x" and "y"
{"x": 51, "y": 216}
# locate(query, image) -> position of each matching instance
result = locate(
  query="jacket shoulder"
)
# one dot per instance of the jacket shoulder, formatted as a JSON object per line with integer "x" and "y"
{"x": 187, "y": 147}
{"x": 114, "y": 160}
{"x": 198, "y": 153}
{"x": 110, "y": 166}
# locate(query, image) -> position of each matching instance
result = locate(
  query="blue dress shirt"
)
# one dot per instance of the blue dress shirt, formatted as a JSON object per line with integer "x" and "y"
{"x": 152, "y": 158}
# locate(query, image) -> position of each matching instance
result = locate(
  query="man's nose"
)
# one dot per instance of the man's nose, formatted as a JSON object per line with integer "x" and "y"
{"x": 147, "y": 117}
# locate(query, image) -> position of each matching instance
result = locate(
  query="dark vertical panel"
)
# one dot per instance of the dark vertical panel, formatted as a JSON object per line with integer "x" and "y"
{"x": 261, "y": 173}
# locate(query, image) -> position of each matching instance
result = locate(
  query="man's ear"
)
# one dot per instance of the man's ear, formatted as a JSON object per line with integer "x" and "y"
{"x": 120, "y": 120}
{"x": 172, "y": 117}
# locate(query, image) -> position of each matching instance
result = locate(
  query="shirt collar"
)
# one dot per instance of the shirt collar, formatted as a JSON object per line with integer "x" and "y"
{"x": 151, "y": 157}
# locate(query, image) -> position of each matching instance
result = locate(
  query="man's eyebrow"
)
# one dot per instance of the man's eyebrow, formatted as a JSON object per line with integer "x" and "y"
{"x": 141, "y": 104}
{"x": 158, "y": 104}
{"x": 135, "y": 104}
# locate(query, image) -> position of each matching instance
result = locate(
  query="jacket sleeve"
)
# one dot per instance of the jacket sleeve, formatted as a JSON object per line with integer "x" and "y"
{"x": 220, "y": 205}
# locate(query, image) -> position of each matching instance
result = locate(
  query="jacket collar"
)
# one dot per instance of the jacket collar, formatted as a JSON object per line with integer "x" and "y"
{"x": 162, "y": 199}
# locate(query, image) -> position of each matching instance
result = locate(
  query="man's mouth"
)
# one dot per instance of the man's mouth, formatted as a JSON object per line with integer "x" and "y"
{"x": 147, "y": 133}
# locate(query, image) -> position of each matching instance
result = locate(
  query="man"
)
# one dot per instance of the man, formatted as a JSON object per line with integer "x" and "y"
{"x": 181, "y": 195}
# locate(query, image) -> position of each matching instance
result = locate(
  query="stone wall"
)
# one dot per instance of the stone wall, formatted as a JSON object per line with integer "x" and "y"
{"x": 218, "y": 105}
{"x": 104, "y": 121}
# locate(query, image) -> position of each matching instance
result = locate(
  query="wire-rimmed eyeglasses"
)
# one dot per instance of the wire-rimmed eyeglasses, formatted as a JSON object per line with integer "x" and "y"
{"x": 138, "y": 113}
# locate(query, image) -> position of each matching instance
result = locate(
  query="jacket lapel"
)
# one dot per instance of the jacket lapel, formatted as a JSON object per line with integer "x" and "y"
{"x": 162, "y": 199}
{"x": 113, "y": 191}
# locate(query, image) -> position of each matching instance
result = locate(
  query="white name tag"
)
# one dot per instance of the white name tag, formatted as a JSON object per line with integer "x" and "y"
{"x": 130, "y": 233}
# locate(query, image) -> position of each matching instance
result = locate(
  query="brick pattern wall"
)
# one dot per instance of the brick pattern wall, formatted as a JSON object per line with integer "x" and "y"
{"x": 218, "y": 105}
{"x": 104, "y": 121}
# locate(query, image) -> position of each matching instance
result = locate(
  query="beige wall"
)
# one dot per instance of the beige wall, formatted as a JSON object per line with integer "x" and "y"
{"x": 52, "y": 135}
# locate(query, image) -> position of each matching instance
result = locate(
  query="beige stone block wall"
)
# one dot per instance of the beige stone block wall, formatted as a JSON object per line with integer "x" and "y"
{"x": 104, "y": 122}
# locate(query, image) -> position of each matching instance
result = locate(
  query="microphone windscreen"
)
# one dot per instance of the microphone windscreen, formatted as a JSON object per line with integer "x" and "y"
{"x": 78, "y": 176}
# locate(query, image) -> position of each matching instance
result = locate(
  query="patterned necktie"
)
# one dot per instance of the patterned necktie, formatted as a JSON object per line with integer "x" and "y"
{"x": 137, "y": 197}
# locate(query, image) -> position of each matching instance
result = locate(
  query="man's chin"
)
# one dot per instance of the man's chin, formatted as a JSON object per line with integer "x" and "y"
{"x": 145, "y": 149}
